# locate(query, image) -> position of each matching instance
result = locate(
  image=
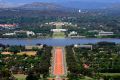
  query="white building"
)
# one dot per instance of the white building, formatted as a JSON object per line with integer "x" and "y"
{"x": 59, "y": 23}
{"x": 73, "y": 33}
{"x": 8, "y": 26}
{"x": 84, "y": 46}
{"x": 28, "y": 33}
{"x": 34, "y": 46}
{"x": 8, "y": 34}
{"x": 79, "y": 11}
{"x": 103, "y": 33}
{"x": 58, "y": 30}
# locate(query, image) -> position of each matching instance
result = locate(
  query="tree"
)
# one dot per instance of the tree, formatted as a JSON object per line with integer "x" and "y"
{"x": 31, "y": 76}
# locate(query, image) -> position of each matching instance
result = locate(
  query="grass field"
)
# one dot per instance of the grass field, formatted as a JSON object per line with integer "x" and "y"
{"x": 20, "y": 76}
{"x": 6, "y": 53}
{"x": 58, "y": 27}
{"x": 29, "y": 53}
{"x": 87, "y": 78}
{"x": 59, "y": 35}
{"x": 110, "y": 74}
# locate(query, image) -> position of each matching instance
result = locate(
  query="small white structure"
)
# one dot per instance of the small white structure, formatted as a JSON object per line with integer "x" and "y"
{"x": 59, "y": 23}
{"x": 33, "y": 46}
{"x": 73, "y": 33}
{"x": 39, "y": 34}
{"x": 8, "y": 26}
{"x": 93, "y": 31}
{"x": 84, "y": 46}
{"x": 28, "y": 33}
{"x": 58, "y": 30}
{"x": 9, "y": 34}
{"x": 79, "y": 11}
{"x": 103, "y": 33}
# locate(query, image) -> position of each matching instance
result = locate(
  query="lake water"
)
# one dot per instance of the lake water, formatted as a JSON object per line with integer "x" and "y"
{"x": 55, "y": 42}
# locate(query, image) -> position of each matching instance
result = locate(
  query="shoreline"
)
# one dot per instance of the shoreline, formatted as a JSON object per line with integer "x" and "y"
{"x": 54, "y": 38}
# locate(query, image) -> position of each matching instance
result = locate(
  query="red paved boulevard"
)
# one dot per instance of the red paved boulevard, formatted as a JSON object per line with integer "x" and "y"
{"x": 58, "y": 62}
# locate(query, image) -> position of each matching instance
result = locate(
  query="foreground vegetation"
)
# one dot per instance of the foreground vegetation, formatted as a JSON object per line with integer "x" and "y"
{"x": 36, "y": 67}
{"x": 100, "y": 62}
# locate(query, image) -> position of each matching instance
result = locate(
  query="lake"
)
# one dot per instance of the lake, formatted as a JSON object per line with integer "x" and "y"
{"x": 55, "y": 42}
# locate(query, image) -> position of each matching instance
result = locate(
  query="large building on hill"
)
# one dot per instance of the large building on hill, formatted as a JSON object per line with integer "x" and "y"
{"x": 103, "y": 33}
{"x": 58, "y": 30}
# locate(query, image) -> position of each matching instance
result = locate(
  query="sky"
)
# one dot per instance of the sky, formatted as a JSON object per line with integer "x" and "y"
{"x": 29, "y": 1}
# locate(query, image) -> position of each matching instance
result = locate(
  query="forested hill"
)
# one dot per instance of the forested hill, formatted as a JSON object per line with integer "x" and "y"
{"x": 36, "y": 9}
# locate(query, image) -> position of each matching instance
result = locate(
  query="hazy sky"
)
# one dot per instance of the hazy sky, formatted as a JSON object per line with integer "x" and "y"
{"x": 26, "y": 1}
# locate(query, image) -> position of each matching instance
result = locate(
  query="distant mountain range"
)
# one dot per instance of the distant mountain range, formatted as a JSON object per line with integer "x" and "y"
{"x": 60, "y": 5}
{"x": 36, "y": 9}
{"x": 40, "y": 6}
{"x": 56, "y": 9}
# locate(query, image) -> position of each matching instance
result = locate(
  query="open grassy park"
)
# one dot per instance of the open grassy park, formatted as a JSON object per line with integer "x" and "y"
{"x": 111, "y": 74}
{"x": 58, "y": 35}
{"x": 20, "y": 76}
{"x": 28, "y": 53}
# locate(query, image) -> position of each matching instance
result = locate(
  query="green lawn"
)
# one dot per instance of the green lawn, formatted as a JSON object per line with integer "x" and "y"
{"x": 87, "y": 78}
{"x": 20, "y": 76}
{"x": 59, "y": 35}
{"x": 58, "y": 27}
{"x": 110, "y": 74}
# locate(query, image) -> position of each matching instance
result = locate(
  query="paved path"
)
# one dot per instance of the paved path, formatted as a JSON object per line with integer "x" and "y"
{"x": 58, "y": 63}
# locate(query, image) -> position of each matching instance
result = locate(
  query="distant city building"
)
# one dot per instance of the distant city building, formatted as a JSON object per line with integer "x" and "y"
{"x": 103, "y": 33}
{"x": 8, "y": 26}
{"x": 58, "y": 30}
{"x": 73, "y": 33}
{"x": 9, "y": 34}
{"x": 34, "y": 46}
{"x": 28, "y": 33}
{"x": 59, "y": 23}
{"x": 79, "y": 11}
{"x": 78, "y": 36}
{"x": 93, "y": 31}
{"x": 39, "y": 34}
{"x": 84, "y": 46}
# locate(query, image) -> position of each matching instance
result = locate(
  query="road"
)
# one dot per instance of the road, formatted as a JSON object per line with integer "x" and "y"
{"x": 59, "y": 68}
{"x": 58, "y": 62}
